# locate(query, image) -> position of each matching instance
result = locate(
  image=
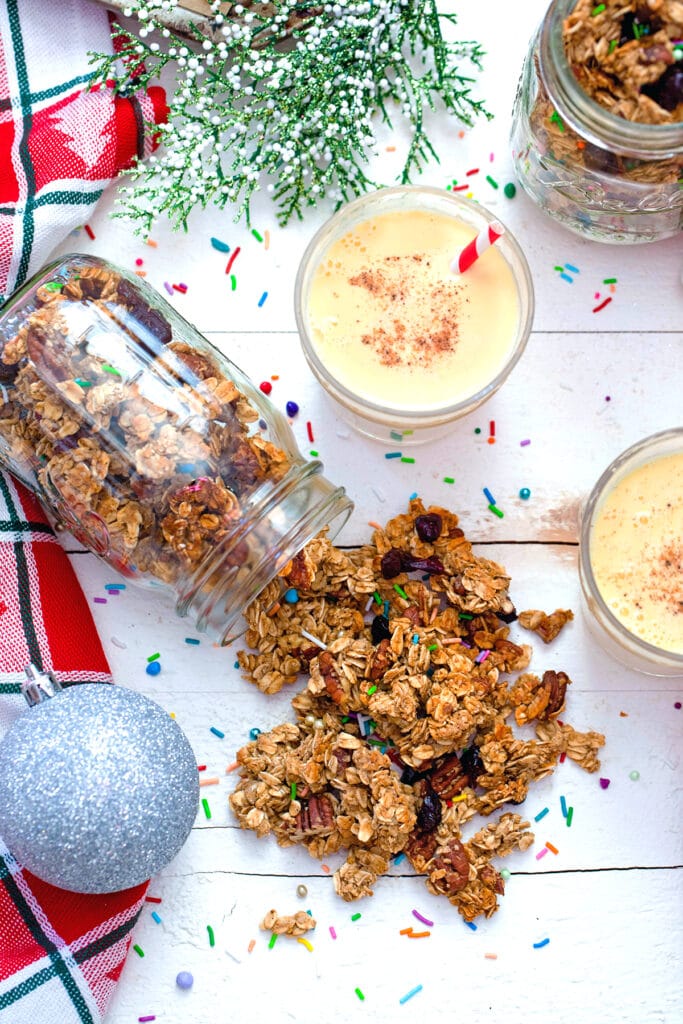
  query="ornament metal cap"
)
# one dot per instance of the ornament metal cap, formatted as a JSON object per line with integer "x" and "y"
{"x": 38, "y": 686}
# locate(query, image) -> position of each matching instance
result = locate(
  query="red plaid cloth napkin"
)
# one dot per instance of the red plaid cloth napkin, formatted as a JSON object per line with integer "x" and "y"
{"x": 60, "y": 953}
{"x": 60, "y": 144}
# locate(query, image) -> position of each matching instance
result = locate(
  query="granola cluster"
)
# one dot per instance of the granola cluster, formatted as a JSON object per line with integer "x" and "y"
{"x": 625, "y": 55}
{"x": 402, "y": 733}
{"x": 137, "y": 439}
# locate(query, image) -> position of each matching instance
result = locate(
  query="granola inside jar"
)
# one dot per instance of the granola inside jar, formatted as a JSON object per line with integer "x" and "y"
{"x": 149, "y": 445}
{"x": 597, "y": 132}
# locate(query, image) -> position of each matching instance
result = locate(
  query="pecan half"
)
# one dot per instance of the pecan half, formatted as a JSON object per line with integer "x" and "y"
{"x": 379, "y": 660}
{"x": 449, "y": 778}
{"x": 332, "y": 682}
{"x": 316, "y": 817}
{"x": 420, "y": 849}
{"x": 450, "y": 868}
{"x": 556, "y": 684}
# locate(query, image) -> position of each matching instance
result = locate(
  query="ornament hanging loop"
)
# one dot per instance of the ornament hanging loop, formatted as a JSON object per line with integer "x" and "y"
{"x": 38, "y": 686}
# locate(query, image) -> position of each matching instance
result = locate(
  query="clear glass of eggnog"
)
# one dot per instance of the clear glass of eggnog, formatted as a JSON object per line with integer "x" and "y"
{"x": 400, "y": 341}
{"x": 631, "y": 556}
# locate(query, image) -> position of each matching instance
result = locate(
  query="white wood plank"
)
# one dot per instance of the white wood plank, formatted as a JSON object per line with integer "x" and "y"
{"x": 613, "y": 956}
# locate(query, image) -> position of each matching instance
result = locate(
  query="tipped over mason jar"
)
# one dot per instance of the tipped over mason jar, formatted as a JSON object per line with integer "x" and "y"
{"x": 150, "y": 446}
{"x": 631, "y": 556}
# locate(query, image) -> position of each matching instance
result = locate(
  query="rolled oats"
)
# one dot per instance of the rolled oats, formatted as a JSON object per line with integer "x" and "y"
{"x": 401, "y": 739}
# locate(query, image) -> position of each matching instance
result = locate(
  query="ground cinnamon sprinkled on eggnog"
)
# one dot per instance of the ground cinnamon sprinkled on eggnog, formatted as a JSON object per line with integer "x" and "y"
{"x": 636, "y": 552}
{"x": 394, "y": 326}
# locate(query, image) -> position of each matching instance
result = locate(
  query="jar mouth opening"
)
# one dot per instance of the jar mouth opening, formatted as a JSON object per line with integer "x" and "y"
{"x": 653, "y": 447}
{"x": 589, "y": 119}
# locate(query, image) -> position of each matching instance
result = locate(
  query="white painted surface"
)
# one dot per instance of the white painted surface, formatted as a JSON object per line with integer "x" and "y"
{"x": 610, "y": 901}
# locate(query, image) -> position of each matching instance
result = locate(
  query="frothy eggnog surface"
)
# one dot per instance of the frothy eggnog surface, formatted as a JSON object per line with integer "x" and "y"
{"x": 636, "y": 552}
{"x": 394, "y": 326}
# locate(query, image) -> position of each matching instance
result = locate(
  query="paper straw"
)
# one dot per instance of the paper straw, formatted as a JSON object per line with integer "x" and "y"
{"x": 476, "y": 247}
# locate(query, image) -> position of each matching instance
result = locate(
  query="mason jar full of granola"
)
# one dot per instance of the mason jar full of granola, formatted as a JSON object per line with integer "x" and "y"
{"x": 150, "y": 446}
{"x": 597, "y": 132}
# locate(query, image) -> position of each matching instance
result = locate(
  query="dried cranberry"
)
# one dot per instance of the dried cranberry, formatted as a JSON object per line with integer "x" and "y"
{"x": 380, "y": 629}
{"x": 668, "y": 90}
{"x": 432, "y": 565}
{"x": 391, "y": 564}
{"x": 409, "y": 776}
{"x": 429, "y": 526}
{"x": 472, "y": 764}
{"x": 429, "y": 815}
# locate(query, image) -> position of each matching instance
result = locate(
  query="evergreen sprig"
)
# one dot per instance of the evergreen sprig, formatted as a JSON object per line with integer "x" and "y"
{"x": 285, "y": 99}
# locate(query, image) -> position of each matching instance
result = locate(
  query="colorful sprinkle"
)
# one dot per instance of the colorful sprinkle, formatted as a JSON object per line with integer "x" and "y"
{"x": 257, "y": 236}
{"x": 553, "y": 849}
{"x": 262, "y": 299}
{"x": 184, "y": 980}
{"x": 409, "y": 995}
{"x": 407, "y": 458}
{"x": 314, "y": 640}
{"x": 266, "y": 387}
{"x": 168, "y": 287}
{"x": 250, "y": 947}
{"x": 232, "y": 259}
{"x": 143, "y": 1019}
{"x": 491, "y": 181}
{"x": 425, "y": 920}
{"x": 212, "y": 940}
{"x": 217, "y": 732}
{"x": 598, "y": 10}
{"x": 207, "y": 809}
{"x": 153, "y": 669}
{"x": 489, "y": 496}
{"x": 541, "y": 853}
{"x": 233, "y": 282}
{"x": 563, "y": 805}
{"x": 605, "y": 302}
{"x": 309, "y": 431}
{"x": 220, "y": 246}
{"x": 100, "y": 600}
{"x": 570, "y": 815}
{"x": 182, "y": 288}
{"x": 273, "y": 940}
{"x": 496, "y": 511}
{"x": 474, "y": 170}
{"x": 634, "y": 775}
{"x": 111, "y": 369}
{"x": 89, "y": 232}
{"x": 505, "y": 873}
{"x": 139, "y": 951}
{"x": 524, "y": 493}
{"x": 604, "y": 783}
{"x": 155, "y": 917}
{"x": 192, "y": 640}
{"x": 566, "y": 277}
{"x": 558, "y": 120}
{"x": 359, "y": 994}
{"x": 306, "y": 943}
{"x": 541, "y": 944}
{"x": 333, "y": 932}
{"x": 254, "y": 733}
{"x": 393, "y": 455}
{"x": 371, "y": 690}
{"x": 471, "y": 925}
{"x": 356, "y": 917}
{"x": 291, "y": 409}
{"x": 449, "y": 480}
{"x": 510, "y": 190}
{"x": 291, "y": 596}
{"x": 541, "y": 814}
{"x": 401, "y": 592}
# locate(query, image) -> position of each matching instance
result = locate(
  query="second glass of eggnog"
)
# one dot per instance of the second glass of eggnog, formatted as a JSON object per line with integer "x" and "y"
{"x": 400, "y": 341}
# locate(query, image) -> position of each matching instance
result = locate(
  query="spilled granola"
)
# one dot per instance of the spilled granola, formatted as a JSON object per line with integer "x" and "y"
{"x": 401, "y": 734}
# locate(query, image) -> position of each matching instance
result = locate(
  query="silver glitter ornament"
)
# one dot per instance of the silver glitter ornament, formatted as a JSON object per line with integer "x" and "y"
{"x": 98, "y": 786}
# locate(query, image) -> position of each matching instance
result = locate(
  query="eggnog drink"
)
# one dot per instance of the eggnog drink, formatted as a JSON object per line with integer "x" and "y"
{"x": 636, "y": 551}
{"x": 395, "y": 327}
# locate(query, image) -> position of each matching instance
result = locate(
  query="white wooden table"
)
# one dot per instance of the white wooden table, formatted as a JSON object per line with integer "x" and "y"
{"x": 610, "y": 901}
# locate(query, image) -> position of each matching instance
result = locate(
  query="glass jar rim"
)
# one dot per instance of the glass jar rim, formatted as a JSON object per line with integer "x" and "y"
{"x": 629, "y": 459}
{"x": 518, "y": 265}
{"x": 591, "y": 121}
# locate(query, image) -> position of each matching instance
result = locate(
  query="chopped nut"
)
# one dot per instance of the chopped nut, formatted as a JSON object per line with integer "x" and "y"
{"x": 546, "y": 626}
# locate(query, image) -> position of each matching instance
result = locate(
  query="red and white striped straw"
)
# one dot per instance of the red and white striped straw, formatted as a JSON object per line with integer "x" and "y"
{"x": 476, "y": 247}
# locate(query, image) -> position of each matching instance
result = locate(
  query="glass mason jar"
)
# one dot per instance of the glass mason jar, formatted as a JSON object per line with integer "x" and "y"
{"x": 385, "y": 248}
{"x": 631, "y": 556}
{"x": 149, "y": 445}
{"x": 600, "y": 175}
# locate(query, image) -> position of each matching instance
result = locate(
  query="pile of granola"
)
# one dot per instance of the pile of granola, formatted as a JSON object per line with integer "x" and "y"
{"x": 402, "y": 732}
{"x": 138, "y": 440}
